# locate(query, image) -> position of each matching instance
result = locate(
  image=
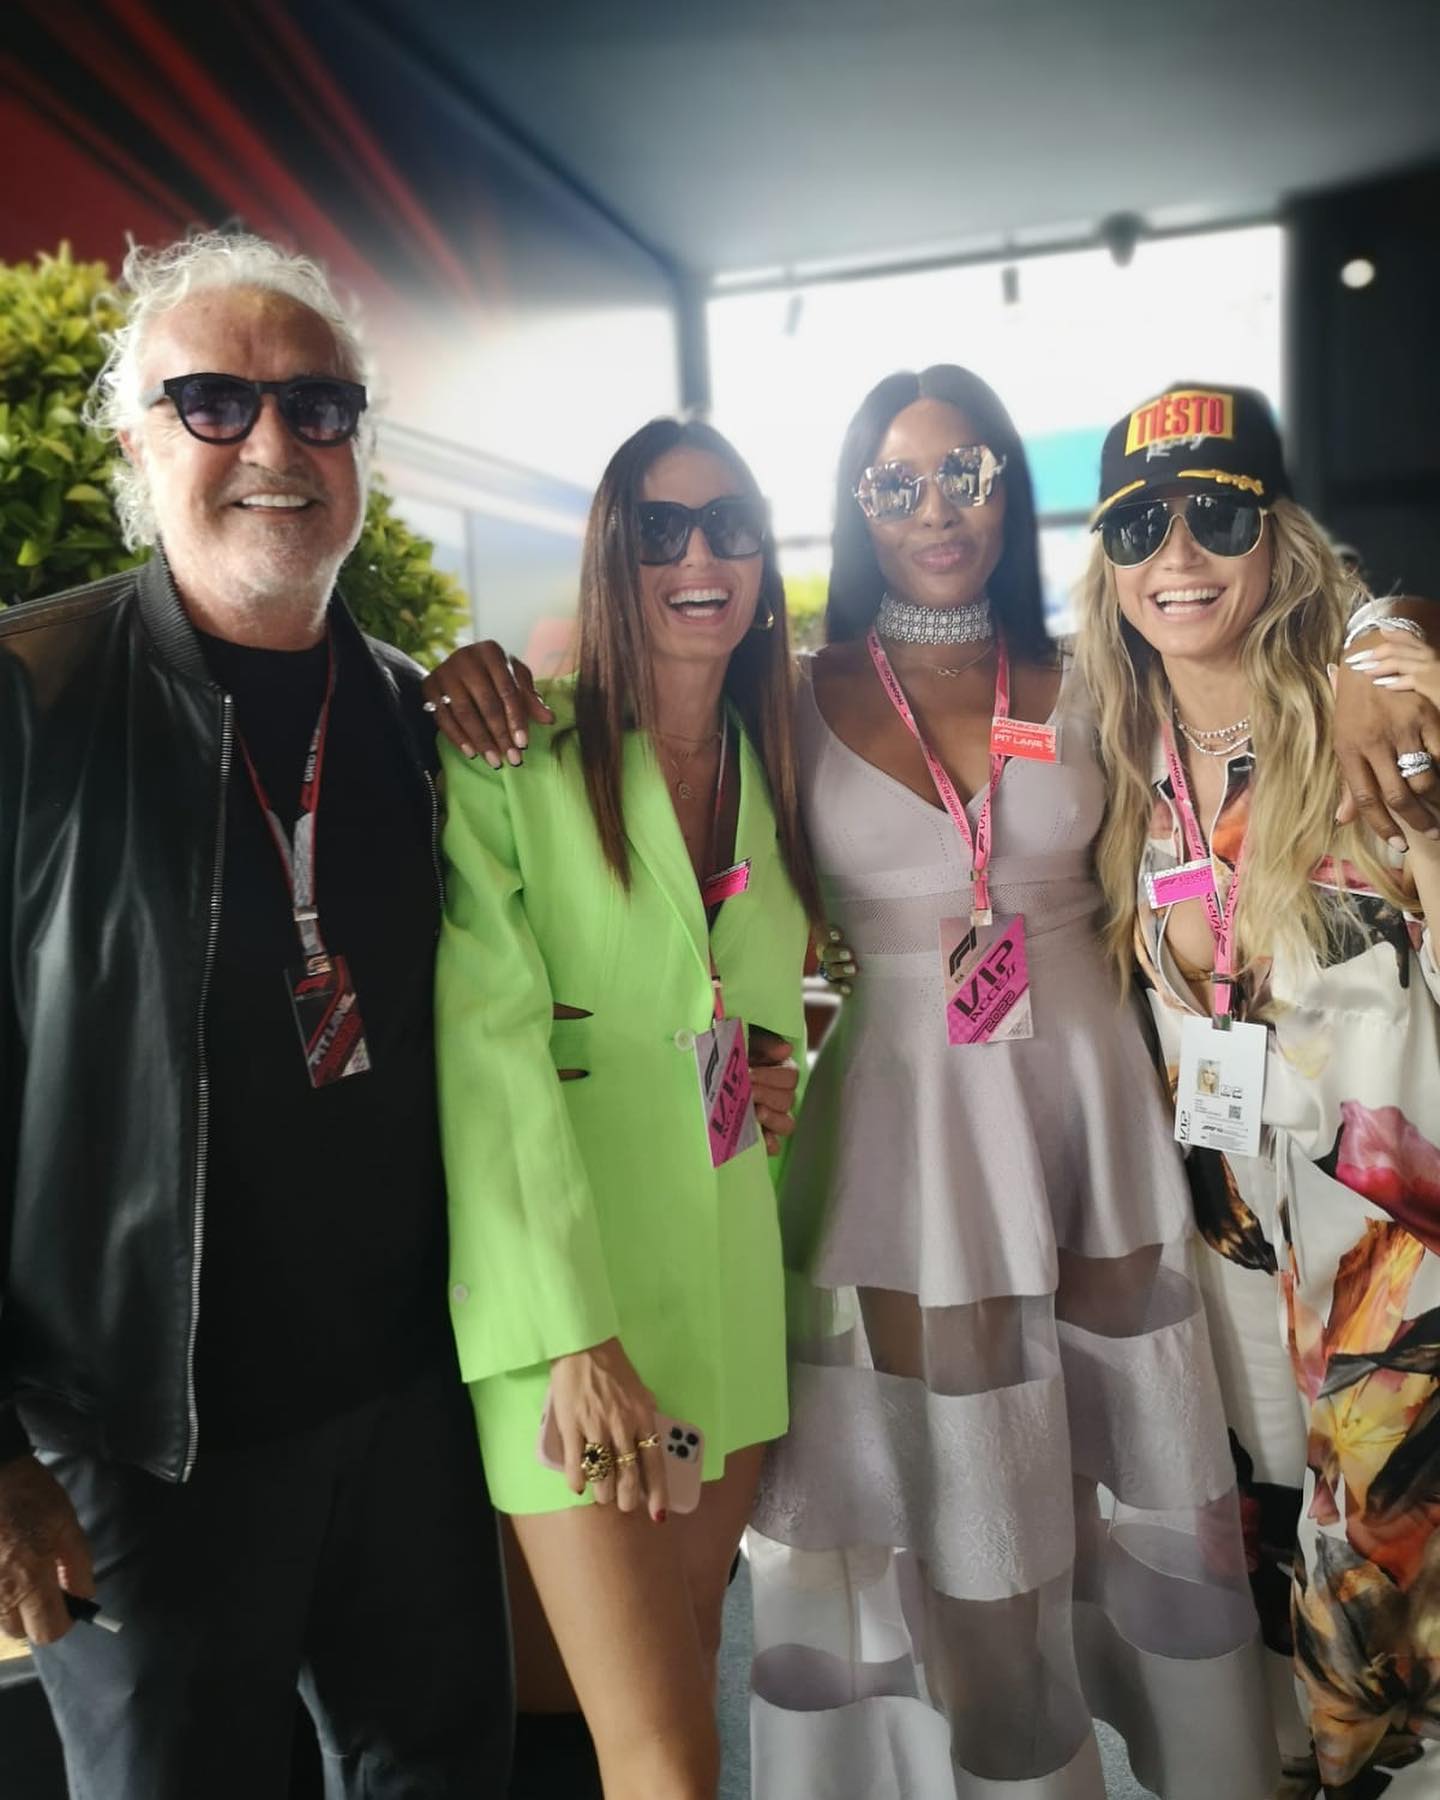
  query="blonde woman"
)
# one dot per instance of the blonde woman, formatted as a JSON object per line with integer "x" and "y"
{"x": 1292, "y": 982}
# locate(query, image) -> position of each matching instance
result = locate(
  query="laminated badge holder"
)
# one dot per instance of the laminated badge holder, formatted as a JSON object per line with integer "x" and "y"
{"x": 983, "y": 962}
{"x": 1220, "y": 1095}
{"x": 722, "y": 1058}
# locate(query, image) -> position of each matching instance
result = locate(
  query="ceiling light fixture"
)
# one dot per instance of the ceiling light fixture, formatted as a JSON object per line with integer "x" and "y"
{"x": 1120, "y": 233}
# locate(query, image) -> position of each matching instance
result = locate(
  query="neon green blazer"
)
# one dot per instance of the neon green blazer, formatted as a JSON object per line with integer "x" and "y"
{"x": 582, "y": 1210}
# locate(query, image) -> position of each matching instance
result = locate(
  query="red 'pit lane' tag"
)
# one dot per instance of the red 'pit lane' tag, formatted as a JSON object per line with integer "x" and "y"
{"x": 1187, "y": 881}
{"x": 726, "y": 884}
{"x": 1019, "y": 738}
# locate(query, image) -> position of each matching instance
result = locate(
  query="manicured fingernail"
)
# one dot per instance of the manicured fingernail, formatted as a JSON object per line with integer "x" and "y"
{"x": 492, "y": 759}
{"x": 1367, "y": 661}
{"x": 844, "y": 987}
{"x": 834, "y": 934}
{"x": 468, "y": 750}
{"x": 521, "y": 738}
{"x": 660, "y": 1517}
{"x": 1386, "y": 680}
{"x": 847, "y": 968}
{"x": 1397, "y": 843}
{"x": 514, "y": 758}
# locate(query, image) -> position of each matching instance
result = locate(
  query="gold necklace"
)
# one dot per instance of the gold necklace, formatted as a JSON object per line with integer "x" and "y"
{"x": 678, "y": 763}
{"x": 941, "y": 669}
{"x": 1224, "y": 740}
{"x": 675, "y": 737}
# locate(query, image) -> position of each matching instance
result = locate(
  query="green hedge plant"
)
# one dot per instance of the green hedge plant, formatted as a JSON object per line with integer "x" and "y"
{"x": 57, "y": 525}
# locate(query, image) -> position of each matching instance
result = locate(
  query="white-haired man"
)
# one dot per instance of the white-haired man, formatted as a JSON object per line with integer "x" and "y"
{"x": 229, "y": 1406}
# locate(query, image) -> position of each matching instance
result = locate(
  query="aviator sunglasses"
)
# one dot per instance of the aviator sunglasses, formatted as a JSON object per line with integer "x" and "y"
{"x": 734, "y": 527}
{"x": 222, "y": 409}
{"x": 1131, "y": 535}
{"x": 965, "y": 477}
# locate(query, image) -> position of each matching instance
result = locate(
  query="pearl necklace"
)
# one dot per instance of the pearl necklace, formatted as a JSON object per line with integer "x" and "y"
{"x": 903, "y": 623}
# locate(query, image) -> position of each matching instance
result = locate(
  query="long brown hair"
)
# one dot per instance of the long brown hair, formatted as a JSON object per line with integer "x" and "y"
{"x": 615, "y": 691}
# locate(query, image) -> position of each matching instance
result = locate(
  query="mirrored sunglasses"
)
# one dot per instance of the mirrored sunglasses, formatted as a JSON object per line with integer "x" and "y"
{"x": 222, "y": 409}
{"x": 1220, "y": 526}
{"x": 734, "y": 527}
{"x": 965, "y": 477}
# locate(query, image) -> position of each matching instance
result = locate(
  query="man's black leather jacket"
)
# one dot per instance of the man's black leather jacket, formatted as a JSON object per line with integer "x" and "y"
{"x": 115, "y": 749}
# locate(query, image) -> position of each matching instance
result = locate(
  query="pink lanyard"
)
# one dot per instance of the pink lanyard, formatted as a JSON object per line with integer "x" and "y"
{"x": 714, "y": 840}
{"x": 978, "y": 842}
{"x": 1222, "y": 923}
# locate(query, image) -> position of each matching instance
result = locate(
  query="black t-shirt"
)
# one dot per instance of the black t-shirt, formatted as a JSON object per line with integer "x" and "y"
{"x": 323, "y": 1262}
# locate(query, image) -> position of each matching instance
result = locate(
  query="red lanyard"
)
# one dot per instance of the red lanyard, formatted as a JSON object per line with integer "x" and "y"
{"x": 978, "y": 842}
{"x": 297, "y": 849}
{"x": 1222, "y": 922}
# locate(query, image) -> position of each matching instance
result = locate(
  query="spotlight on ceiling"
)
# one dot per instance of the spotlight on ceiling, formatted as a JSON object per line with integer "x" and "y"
{"x": 1119, "y": 234}
{"x": 1359, "y": 272}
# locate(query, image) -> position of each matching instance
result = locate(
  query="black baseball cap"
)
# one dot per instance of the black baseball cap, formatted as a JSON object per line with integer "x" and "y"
{"x": 1193, "y": 439}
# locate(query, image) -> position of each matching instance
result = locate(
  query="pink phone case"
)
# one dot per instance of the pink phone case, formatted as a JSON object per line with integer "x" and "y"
{"x": 683, "y": 1446}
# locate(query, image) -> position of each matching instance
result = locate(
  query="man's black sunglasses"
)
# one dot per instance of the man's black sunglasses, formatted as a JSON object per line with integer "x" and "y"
{"x": 734, "y": 527}
{"x": 222, "y": 409}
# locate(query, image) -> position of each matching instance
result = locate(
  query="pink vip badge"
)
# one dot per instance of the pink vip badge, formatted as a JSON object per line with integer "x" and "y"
{"x": 1188, "y": 881}
{"x": 723, "y": 1060}
{"x": 987, "y": 981}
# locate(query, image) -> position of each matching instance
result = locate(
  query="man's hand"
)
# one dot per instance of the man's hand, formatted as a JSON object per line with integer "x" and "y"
{"x": 1373, "y": 725}
{"x": 482, "y": 699}
{"x": 43, "y": 1553}
{"x": 774, "y": 1078}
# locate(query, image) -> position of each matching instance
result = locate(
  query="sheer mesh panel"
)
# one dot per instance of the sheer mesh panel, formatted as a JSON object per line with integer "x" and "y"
{"x": 1002, "y": 1513}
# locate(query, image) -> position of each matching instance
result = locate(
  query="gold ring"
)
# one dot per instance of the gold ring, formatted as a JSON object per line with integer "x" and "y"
{"x": 597, "y": 1462}
{"x": 648, "y": 1443}
{"x": 624, "y": 1462}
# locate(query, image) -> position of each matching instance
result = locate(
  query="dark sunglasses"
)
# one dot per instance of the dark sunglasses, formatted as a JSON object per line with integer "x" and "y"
{"x": 222, "y": 409}
{"x": 965, "y": 477}
{"x": 734, "y": 527}
{"x": 1131, "y": 535}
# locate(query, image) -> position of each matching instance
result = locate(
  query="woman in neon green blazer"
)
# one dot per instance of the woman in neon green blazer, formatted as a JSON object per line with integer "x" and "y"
{"x": 597, "y": 1254}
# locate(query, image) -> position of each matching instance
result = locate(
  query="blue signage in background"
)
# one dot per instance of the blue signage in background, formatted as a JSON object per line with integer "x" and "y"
{"x": 1065, "y": 467}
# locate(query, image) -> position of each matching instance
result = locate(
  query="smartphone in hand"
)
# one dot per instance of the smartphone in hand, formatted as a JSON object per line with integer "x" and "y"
{"x": 683, "y": 1447}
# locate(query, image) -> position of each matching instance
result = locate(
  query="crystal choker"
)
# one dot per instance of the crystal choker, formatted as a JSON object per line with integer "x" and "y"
{"x": 903, "y": 623}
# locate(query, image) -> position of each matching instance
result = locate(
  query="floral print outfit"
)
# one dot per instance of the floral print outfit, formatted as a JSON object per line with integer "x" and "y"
{"x": 1321, "y": 1271}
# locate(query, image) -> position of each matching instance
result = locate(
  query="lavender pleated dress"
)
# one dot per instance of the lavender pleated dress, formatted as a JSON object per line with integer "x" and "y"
{"x": 1006, "y": 1502}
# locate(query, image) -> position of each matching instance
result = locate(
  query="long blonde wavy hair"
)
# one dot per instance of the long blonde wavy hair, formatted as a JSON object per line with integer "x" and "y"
{"x": 1296, "y": 784}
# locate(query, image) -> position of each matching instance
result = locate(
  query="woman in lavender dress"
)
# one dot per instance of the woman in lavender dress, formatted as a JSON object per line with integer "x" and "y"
{"x": 1007, "y": 1500}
